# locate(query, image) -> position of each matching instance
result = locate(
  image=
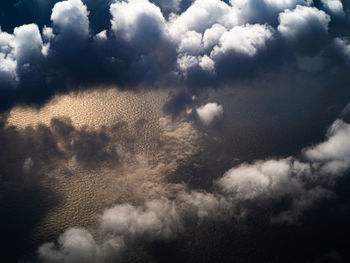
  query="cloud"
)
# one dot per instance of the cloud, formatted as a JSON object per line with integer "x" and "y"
{"x": 200, "y": 16}
{"x": 301, "y": 21}
{"x": 265, "y": 181}
{"x": 27, "y": 44}
{"x": 282, "y": 188}
{"x": 8, "y": 62}
{"x": 70, "y": 17}
{"x": 102, "y": 35}
{"x": 19, "y": 53}
{"x": 125, "y": 225}
{"x": 159, "y": 219}
{"x": 334, "y": 7}
{"x": 343, "y": 46}
{"x": 204, "y": 43}
{"x": 304, "y": 26}
{"x": 207, "y": 40}
{"x": 137, "y": 20}
{"x": 245, "y": 40}
{"x": 296, "y": 45}
{"x": 169, "y": 6}
{"x": 120, "y": 155}
{"x": 120, "y": 225}
{"x": 219, "y": 46}
{"x": 249, "y": 181}
{"x": 253, "y": 11}
{"x": 333, "y": 154}
{"x": 210, "y": 112}
{"x": 201, "y": 204}
{"x": 285, "y": 4}
{"x": 75, "y": 245}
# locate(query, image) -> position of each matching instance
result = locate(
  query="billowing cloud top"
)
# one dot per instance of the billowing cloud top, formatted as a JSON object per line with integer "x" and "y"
{"x": 200, "y": 43}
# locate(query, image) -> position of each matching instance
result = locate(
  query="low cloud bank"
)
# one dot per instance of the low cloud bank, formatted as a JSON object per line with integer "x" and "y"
{"x": 197, "y": 44}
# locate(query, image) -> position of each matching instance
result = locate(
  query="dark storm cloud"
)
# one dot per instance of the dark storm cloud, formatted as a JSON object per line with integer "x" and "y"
{"x": 204, "y": 43}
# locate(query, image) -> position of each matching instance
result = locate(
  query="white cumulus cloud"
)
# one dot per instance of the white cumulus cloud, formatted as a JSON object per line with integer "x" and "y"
{"x": 210, "y": 112}
{"x": 71, "y": 17}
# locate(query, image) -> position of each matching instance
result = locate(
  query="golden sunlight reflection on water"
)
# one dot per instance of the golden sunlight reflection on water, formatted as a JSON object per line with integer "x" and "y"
{"x": 141, "y": 174}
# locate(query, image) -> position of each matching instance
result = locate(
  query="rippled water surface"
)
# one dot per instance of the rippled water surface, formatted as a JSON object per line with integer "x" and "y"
{"x": 86, "y": 191}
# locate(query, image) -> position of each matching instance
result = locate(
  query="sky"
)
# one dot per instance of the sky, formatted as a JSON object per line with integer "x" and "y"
{"x": 174, "y": 131}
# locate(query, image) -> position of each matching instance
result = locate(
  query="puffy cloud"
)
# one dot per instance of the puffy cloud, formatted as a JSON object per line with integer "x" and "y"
{"x": 120, "y": 225}
{"x": 216, "y": 40}
{"x": 210, "y": 112}
{"x": 186, "y": 63}
{"x": 221, "y": 47}
{"x": 202, "y": 204}
{"x": 249, "y": 181}
{"x": 304, "y": 26}
{"x": 137, "y": 20}
{"x": 212, "y": 35}
{"x": 21, "y": 49}
{"x": 71, "y": 17}
{"x": 159, "y": 219}
{"x": 7, "y": 70}
{"x": 75, "y": 245}
{"x": 102, "y": 35}
{"x": 304, "y": 182}
{"x": 211, "y": 42}
{"x": 191, "y": 43}
{"x": 286, "y": 4}
{"x": 168, "y": 6}
{"x": 8, "y": 62}
{"x": 201, "y": 15}
{"x": 21, "y": 55}
{"x": 334, "y": 7}
{"x": 333, "y": 154}
{"x": 70, "y": 24}
{"x": 264, "y": 11}
{"x": 207, "y": 64}
{"x": 140, "y": 48}
{"x": 265, "y": 181}
{"x": 25, "y": 63}
{"x": 6, "y": 42}
{"x": 242, "y": 190}
{"x": 246, "y": 40}
{"x": 27, "y": 44}
{"x": 342, "y": 45}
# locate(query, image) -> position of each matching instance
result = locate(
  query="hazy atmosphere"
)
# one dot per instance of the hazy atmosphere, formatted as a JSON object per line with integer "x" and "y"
{"x": 174, "y": 131}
